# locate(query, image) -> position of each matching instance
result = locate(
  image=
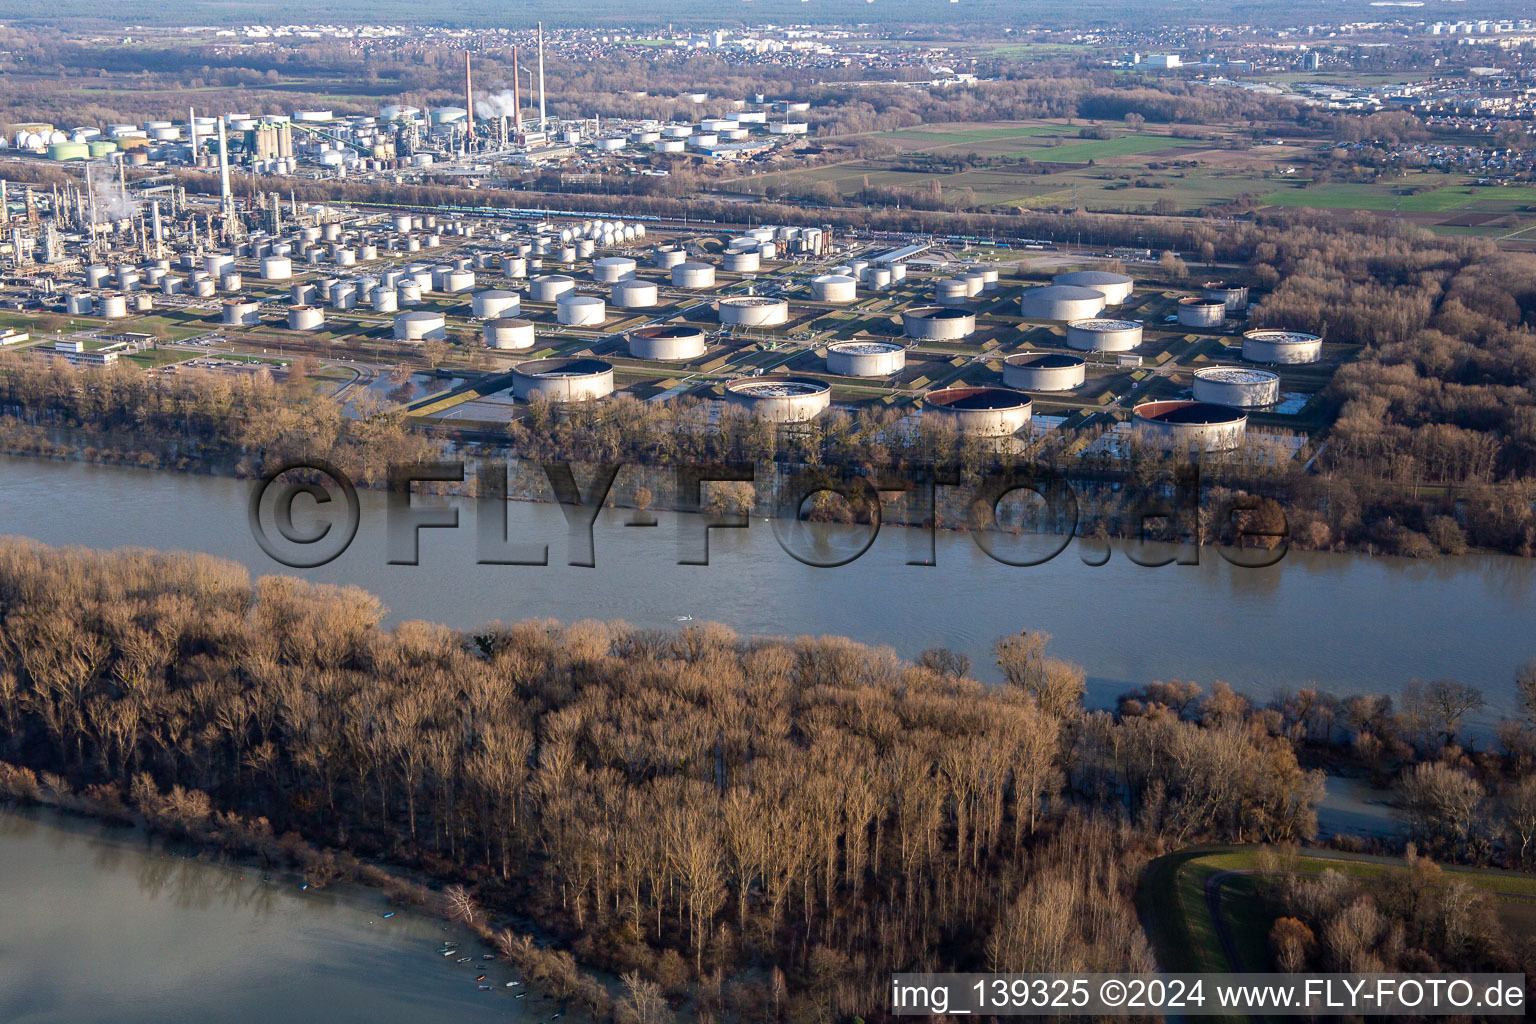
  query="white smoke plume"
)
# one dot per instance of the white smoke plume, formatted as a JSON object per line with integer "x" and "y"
{"x": 496, "y": 104}
{"x": 111, "y": 202}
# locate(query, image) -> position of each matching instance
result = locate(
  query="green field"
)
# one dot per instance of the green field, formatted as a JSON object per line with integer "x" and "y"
{"x": 1392, "y": 196}
{"x": 1102, "y": 149}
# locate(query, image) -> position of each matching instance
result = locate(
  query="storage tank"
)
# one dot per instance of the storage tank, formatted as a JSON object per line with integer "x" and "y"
{"x": 305, "y": 318}
{"x": 96, "y": 275}
{"x": 1190, "y": 426}
{"x": 753, "y": 311}
{"x": 1196, "y": 312}
{"x": 938, "y": 323}
{"x": 693, "y": 275}
{"x": 1233, "y": 296}
{"x": 142, "y": 303}
{"x": 1281, "y": 347}
{"x": 1242, "y": 387}
{"x": 1044, "y": 371}
{"x": 951, "y": 292}
{"x": 508, "y": 333}
{"x": 834, "y": 288}
{"x": 384, "y": 298}
{"x": 974, "y": 280}
{"x": 202, "y": 287}
{"x": 667, "y": 257}
{"x": 612, "y": 268}
{"x": 1115, "y": 288}
{"x": 112, "y": 305}
{"x": 242, "y": 312}
{"x": 581, "y": 310}
{"x": 981, "y": 412}
{"x": 218, "y": 264}
{"x": 457, "y": 282}
{"x": 78, "y": 304}
{"x": 780, "y": 399}
{"x": 494, "y": 303}
{"x": 408, "y": 293}
{"x": 879, "y": 278}
{"x": 420, "y": 325}
{"x": 1098, "y": 334}
{"x": 276, "y": 268}
{"x": 514, "y": 266}
{"x": 343, "y": 295}
{"x": 865, "y": 358}
{"x": 171, "y": 285}
{"x": 666, "y": 342}
{"x": 1061, "y": 302}
{"x": 229, "y": 281}
{"x": 633, "y": 293}
{"x": 127, "y": 278}
{"x": 563, "y": 380}
{"x": 550, "y": 287}
{"x": 741, "y": 262}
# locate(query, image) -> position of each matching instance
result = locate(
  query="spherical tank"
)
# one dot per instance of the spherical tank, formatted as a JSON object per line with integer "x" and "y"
{"x": 983, "y": 412}
{"x": 1281, "y": 347}
{"x": 1199, "y": 312}
{"x": 508, "y": 333}
{"x": 581, "y": 310}
{"x": 1185, "y": 426}
{"x": 494, "y": 303}
{"x": 666, "y": 342}
{"x": 780, "y": 399}
{"x": 1061, "y": 302}
{"x": 834, "y": 288}
{"x": 865, "y": 358}
{"x": 1044, "y": 371}
{"x": 420, "y": 325}
{"x": 305, "y": 318}
{"x": 1242, "y": 387}
{"x": 1101, "y": 335}
{"x": 753, "y": 311}
{"x": 563, "y": 380}
{"x": 693, "y": 275}
{"x": 937, "y": 323}
{"x": 1115, "y": 288}
{"x": 633, "y": 293}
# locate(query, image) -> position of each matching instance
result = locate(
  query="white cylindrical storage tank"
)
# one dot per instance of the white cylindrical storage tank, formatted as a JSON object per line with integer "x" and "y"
{"x": 508, "y": 333}
{"x": 345, "y": 257}
{"x": 142, "y": 303}
{"x": 96, "y": 275}
{"x": 171, "y": 285}
{"x": 1044, "y": 371}
{"x": 1239, "y": 386}
{"x": 202, "y": 287}
{"x": 403, "y": 223}
{"x": 1233, "y": 296}
{"x": 550, "y": 287}
{"x": 1200, "y": 312}
{"x": 566, "y": 254}
{"x": 1115, "y": 288}
{"x": 78, "y": 304}
{"x": 1190, "y": 426}
{"x": 834, "y": 288}
{"x": 563, "y": 380}
{"x": 276, "y": 268}
{"x": 1061, "y": 302}
{"x": 865, "y": 358}
{"x": 1281, "y": 347}
{"x": 633, "y": 293}
{"x": 669, "y": 145}
{"x": 693, "y": 275}
{"x": 242, "y": 312}
{"x": 580, "y": 310}
{"x": 217, "y": 263}
{"x": 305, "y": 318}
{"x": 343, "y": 295}
{"x": 301, "y": 294}
{"x": 667, "y": 342}
{"x": 612, "y": 268}
{"x": 753, "y": 311}
{"x": 457, "y": 282}
{"x": 495, "y": 303}
{"x": 408, "y": 293}
{"x": 974, "y": 281}
{"x": 780, "y": 399}
{"x": 950, "y": 292}
{"x": 666, "y": 258}
{"x": 514, "y": 266}
{"x": 879, "y": 278}
{"x": 420, "y": 325}
{"x": 938, "y": 323}
{"x": 153, "y": 276}
{"x": 1101, "y": 335}
{"x": 981, "y": 412}
{"x": 229, "y": 281}
{"x": 741, "y": 262}
{"x": 127, "y": 278}
{"x": 112, "y": 305}
{"x": 384, "y": 298}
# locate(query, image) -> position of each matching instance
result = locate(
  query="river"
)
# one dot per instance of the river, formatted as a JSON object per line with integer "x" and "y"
{"x": 1346, "y": 623}
{"x": 106, "y": 925}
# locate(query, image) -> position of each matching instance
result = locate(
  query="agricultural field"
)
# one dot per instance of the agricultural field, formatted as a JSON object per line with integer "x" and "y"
{"x": 1452, "y": 204}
